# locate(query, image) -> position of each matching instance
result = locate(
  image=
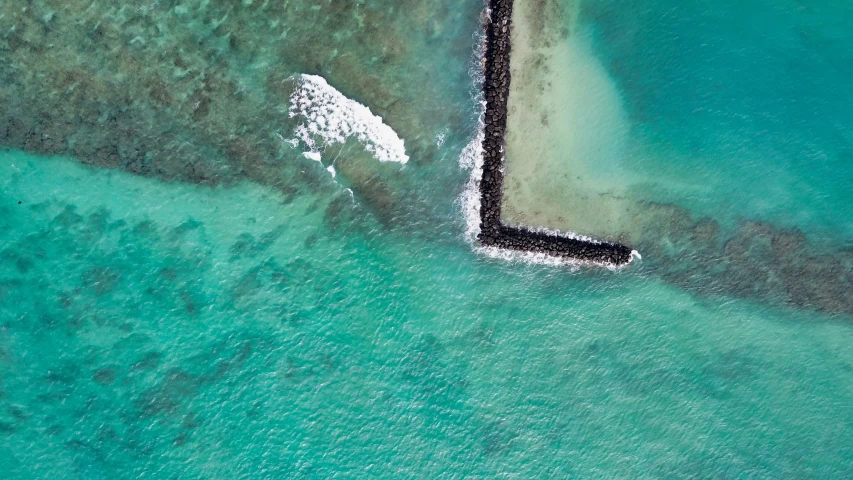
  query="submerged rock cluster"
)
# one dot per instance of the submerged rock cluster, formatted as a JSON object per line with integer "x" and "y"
{"x": 751, "y": 260}
{"x": 496, "y": 93}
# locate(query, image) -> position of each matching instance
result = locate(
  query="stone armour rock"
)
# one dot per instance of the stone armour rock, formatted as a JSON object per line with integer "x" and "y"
{"x": 496, "y": 92}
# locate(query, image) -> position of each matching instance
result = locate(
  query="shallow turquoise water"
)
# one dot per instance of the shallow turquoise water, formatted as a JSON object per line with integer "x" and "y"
{"x": 748, "y": 101}
{"x": 183, "y": 331}
{"x": 189, "y": 331}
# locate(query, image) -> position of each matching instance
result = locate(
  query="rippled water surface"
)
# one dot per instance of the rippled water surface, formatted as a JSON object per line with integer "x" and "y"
{"x": 186, "y": 291}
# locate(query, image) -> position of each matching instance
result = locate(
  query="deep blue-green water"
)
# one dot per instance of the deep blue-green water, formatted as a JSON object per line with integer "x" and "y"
{"x": 751, "y": 98}
{"x": 260, "y": 318}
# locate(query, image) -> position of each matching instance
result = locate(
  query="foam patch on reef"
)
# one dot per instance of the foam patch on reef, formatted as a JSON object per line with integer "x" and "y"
{"x": 328, "y": 117}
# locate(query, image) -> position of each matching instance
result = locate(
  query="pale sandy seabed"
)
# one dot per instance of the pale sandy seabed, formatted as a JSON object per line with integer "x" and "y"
{"x": 567, "y": 130}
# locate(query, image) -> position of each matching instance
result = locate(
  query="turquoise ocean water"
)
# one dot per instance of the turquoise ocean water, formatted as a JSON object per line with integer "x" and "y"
{"x": 221, "y": 306}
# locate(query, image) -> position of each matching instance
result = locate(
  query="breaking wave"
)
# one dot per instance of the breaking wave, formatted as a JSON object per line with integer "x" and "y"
{"x": 328, "y": 117}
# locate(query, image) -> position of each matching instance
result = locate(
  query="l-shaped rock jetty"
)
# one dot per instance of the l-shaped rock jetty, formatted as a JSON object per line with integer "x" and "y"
{"x": 496, "y": 92}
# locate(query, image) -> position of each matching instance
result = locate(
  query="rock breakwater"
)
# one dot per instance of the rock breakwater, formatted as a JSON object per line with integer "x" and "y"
{"x": 496, "y": 92}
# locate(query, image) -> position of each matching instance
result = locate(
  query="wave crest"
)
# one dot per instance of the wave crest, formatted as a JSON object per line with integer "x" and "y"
{"x": 329, "y": 117}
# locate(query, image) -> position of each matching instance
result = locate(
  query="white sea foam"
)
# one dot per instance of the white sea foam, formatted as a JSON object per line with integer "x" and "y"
{"x": 472, "y": 158}
{"x": 440, "y": 137}
{"x": 313, "y": 156}
{"x": 328, "y": 117}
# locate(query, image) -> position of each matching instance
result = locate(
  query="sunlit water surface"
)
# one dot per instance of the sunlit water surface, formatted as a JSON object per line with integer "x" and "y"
{"x": 258, "y": 317}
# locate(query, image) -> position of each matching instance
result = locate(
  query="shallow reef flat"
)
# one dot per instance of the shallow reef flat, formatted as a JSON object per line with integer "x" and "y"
{"x": 198, "y": 91}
